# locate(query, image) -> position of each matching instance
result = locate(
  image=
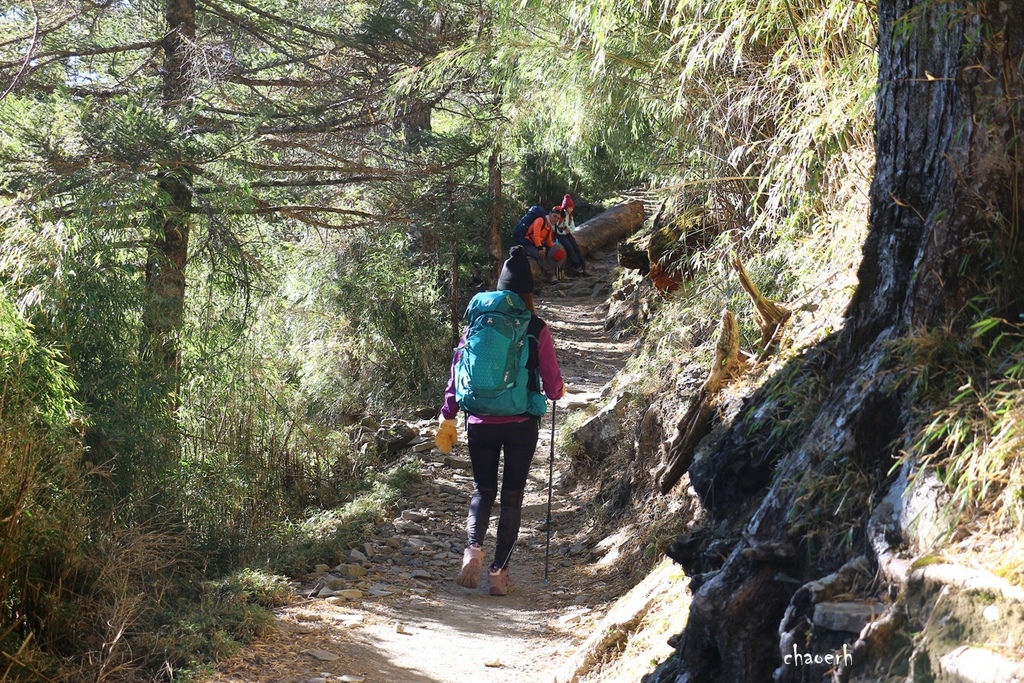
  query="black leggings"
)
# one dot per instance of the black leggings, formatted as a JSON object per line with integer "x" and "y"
{"x": 573, "y": 249}
{"x": 519, "y": 439}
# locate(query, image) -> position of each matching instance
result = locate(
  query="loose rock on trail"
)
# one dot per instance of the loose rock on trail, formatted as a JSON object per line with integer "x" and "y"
{"x": 391, "y": 612}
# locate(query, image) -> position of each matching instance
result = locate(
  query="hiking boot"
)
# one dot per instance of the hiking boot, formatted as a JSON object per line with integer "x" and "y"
{"x": 501, "y": 582}
{"x": 472, "y": 560}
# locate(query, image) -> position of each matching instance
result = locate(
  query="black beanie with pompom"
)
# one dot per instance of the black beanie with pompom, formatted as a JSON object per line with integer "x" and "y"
{"x": 516, "y": 275}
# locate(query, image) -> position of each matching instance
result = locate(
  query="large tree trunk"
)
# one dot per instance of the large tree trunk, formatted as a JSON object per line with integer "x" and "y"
{"x": 415, "y": 121}
{"x": 944, "y": 217}
{"x": 168, "y": 253}
{"x": 494, "y": 213}
{"x": 946, "y": 192}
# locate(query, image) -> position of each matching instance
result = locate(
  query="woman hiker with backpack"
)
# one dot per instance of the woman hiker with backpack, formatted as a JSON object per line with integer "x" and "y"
{"x": 500, "y": 324}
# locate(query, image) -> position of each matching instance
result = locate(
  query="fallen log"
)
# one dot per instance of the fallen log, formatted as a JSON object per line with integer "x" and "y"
{"x": 610, "y": 226}
{"x": 603, "y": 229}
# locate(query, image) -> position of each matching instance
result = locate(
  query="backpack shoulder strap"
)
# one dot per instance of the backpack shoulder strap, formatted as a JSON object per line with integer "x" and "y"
{"x": 533, "y": 330}
{"x": 535, "y": 326}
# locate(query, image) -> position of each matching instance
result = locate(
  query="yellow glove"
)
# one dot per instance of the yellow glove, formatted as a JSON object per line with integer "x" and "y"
{"x": 447, "y": 435}
{"x": 565, "y": 392}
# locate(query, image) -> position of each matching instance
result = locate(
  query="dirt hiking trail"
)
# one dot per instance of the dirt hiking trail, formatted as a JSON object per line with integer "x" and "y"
{"x": 394, "y": 613}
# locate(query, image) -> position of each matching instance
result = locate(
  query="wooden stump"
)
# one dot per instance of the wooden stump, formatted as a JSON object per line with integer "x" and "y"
{"x": 696, "y": 422}
{"x": 770, "y": 315}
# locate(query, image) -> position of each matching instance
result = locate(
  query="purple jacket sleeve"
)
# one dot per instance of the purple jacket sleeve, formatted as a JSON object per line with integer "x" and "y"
{"x": 550, "y": 374}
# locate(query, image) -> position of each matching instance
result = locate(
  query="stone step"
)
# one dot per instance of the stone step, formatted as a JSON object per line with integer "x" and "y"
{"x": 850, "y": 617}
{"x": 976, "y": 665}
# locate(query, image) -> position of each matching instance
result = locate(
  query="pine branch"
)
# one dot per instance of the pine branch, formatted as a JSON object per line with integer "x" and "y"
{"x": 28, "y": 53}
{"x": 277, "y": 19}
{"x": 45, "y": 58}
{"x": 40, "y": 31}
{"x": 258, "y": 32}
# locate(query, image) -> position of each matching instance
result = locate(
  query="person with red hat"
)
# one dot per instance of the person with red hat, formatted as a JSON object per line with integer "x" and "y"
{"x": 564, "y": 234}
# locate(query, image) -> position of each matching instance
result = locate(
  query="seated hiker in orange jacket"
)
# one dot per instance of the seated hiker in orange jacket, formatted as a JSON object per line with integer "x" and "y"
{"x": 541, "y": 235}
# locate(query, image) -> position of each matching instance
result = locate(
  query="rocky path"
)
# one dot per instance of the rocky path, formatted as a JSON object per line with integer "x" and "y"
{"x": 391, "y": 612}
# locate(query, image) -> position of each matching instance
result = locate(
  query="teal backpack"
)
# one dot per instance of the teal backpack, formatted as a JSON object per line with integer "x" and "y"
{"x": 491, "y": 377}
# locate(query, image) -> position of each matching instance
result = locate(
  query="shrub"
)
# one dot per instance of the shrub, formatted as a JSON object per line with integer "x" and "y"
{"x": 40, "y": 490}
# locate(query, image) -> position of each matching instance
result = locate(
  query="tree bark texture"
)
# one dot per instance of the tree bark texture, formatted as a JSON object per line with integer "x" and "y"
{"x": 168, "y": 254}
{"x": 494, "y": 210}
{"x": 610, "y": 226}
{"x": 944, "y": 228}
{"x": 945, "y": 204}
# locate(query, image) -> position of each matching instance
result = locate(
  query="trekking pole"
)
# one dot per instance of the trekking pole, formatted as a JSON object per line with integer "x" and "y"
{"x": 551, "y": 466}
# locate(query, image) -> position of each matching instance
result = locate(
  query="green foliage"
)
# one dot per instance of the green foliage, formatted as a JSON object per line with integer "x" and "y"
{"x": 218, "y": 620}
{"x": 687, "y": 322}
{"x": 138, "y": 605}
{"x": 210, "y": 630}
{"x": 567, "y": 444}
{"x": 272, "y": 396}
{"x": 258, "y": 587}
{"x": 969, "y": 417}
{"x": 756, "y": 109}
{"x": 37, "y": 391}
{"x": 85, "y": 298}
{"x": 336, "y": 167}
{"x": 325, "y": 536}
{"x": 398, "y": 333}
{"x": 41, "y": 492}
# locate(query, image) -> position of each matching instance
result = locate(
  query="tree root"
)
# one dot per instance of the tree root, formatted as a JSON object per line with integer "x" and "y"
{"x": 770, "y": 315}
{"x": 696, "y": 422}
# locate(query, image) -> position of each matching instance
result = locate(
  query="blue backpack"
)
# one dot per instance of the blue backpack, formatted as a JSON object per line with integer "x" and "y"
{"x": 491, "y": 377}
{"x": 536, "y": 211}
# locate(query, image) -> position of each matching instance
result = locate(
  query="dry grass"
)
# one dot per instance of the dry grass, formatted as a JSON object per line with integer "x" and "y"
{"x": 968, "y": 430}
